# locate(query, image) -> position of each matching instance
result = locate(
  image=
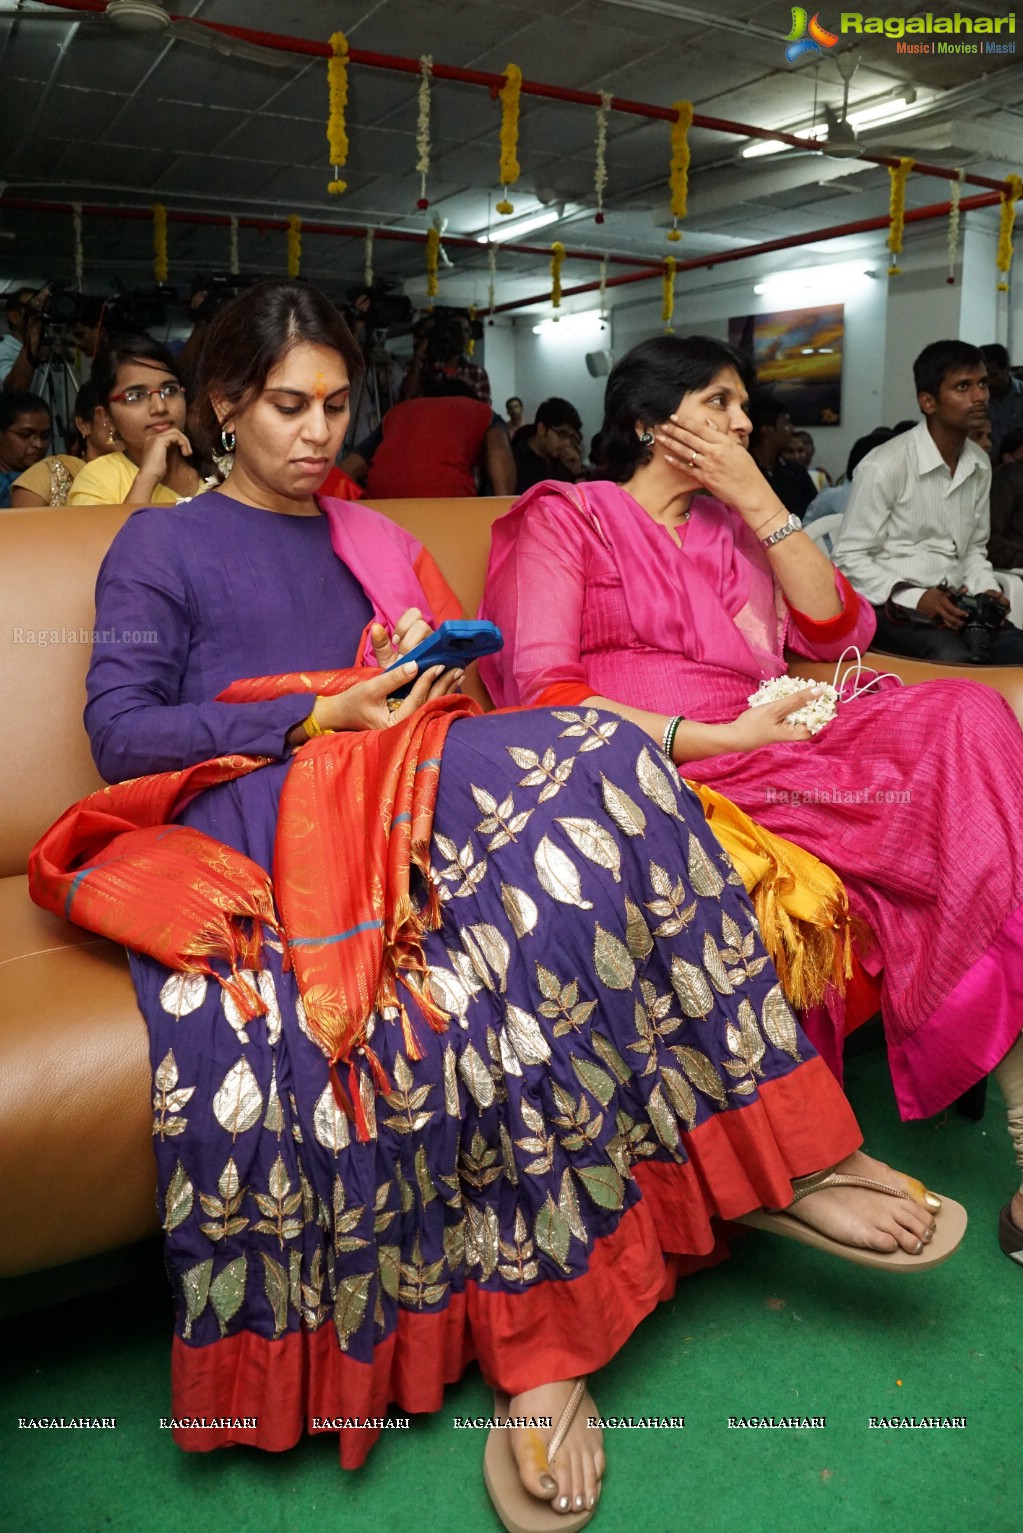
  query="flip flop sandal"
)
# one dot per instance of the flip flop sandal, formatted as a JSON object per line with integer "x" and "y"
{"x": 1009, "y": 1237}
{"x": 949, "y": 1231}
{"x": 519, "y": 1511}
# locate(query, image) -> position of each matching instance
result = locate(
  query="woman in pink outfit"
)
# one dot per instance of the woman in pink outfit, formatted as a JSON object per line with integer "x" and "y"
{"x": 667, "y": 593}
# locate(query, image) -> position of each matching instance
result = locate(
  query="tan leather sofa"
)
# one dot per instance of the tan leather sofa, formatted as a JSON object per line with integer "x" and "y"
{"x": 76, "y": 1170}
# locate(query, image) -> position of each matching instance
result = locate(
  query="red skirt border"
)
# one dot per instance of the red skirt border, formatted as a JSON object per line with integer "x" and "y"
{"x": 738, "y": 1161}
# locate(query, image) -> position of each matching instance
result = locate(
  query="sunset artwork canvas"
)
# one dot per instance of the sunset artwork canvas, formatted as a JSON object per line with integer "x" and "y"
{"x": 798, "y": 354}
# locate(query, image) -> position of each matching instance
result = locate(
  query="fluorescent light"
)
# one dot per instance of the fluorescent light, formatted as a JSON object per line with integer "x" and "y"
{"x": 521, "y": 226}
{"x": 870, "y": 117}
{"x": 812, "y": 279}
{"x": 582, "y": 319}
{"x": 763, "y": 146}
{"x": 876, "y": 116}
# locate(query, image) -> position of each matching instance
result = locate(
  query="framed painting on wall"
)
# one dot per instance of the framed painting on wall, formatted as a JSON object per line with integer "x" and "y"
{"x": 798, "y": 354}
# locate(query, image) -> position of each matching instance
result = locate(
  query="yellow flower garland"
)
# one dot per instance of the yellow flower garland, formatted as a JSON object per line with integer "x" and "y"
{"x": 294, "y": 245}
{"x": 557, "y": 256}
{"x": 678, "y": 178}
{"x": 897, "y": 211}
{"x": 668, "y": 280}
{"x": 432, "y": 253}
{"x": 159, "y": 242}
{"x": 1010, "y": 197}
{"x": 471, "y": 344}
{"x": 337, "y": 135}
{"x": 508, "y": 173}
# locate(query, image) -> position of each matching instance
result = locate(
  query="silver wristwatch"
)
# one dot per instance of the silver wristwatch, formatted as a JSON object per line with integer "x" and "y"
{"x": 792, "y": 525}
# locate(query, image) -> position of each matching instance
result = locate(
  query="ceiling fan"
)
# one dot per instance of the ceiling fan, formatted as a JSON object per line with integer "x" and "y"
{"x": 147, "y": 18}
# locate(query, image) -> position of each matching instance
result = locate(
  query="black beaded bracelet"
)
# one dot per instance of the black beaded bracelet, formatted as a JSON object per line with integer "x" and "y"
{"x": 670, "y": 731}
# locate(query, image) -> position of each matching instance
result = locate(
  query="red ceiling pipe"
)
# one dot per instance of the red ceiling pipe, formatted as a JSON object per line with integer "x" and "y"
{"x": 864, "y": 226}
{"x": 254, "y": 221}
{"x": 311, "y": 48}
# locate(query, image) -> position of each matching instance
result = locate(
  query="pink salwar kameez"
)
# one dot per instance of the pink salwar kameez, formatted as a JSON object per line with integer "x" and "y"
{"x": 914, "y": 795}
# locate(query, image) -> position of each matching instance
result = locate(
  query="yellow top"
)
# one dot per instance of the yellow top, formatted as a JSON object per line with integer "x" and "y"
{"x": 51, "y": 478}
{"x": 106, "y": 482}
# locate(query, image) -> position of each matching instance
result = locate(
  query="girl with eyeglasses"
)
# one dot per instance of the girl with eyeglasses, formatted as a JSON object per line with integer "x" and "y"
{"x": 143, "y": 400}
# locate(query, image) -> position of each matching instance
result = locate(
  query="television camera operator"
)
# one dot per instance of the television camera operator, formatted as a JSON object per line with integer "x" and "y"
{"x": 442, "y": 352}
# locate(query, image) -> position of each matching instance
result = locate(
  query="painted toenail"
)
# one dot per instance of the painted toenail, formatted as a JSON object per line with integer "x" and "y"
{"x": 548, "y": 1482}
{"x": 919, "y": 1248}
{"x": 933, "y": 1202}
{"x": 580, "y": 1502}
{"x": 563, "y": 1503}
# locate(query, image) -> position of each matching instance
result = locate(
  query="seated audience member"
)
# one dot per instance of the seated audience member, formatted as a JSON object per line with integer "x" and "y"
{"x": 833, "y": 500}
{"x": 24, "y": 436}
{"x": 916, "y": 527}
{"x": 1005, "y": 545}
{"x": 514, "y": 413}
{"x": 800, "y": 451}
{"x": 769, "y": 441}
{"x": 448, "y": 444}
{"x": 552, "y": 449}
{"x": 631, "y": 1182}
{"x": 48, "y": 482}
{"x": 981, "y": 434}
{"x": 143, "y": 404}
{"x": 666, "y": 593}
{"x": 1005, "y": 404}
{"x": 1010, "y": 448}
{"x": 442, "y": 351}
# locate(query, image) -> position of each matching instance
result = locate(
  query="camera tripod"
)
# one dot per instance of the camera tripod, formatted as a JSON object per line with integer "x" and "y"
{"x": 57, "y": 383}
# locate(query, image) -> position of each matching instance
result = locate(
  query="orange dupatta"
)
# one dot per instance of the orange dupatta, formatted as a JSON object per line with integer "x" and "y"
{"x": 115, "y": 863}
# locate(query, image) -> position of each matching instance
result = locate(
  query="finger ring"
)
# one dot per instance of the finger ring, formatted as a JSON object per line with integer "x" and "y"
{"x": 692, "y": 461}
{"x": 394, "y": 703}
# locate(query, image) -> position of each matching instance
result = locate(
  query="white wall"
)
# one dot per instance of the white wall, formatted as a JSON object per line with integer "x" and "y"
{"x": 888, "y": 320}
{"x": 553, "y": 363}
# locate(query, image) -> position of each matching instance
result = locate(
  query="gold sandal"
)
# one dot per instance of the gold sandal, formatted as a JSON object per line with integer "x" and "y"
{"x": 519, "y": 1511}
{"x": 950, "y": 1225}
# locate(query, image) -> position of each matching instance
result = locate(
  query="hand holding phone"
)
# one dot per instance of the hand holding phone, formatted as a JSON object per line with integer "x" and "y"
{"x": 455, "y": 643}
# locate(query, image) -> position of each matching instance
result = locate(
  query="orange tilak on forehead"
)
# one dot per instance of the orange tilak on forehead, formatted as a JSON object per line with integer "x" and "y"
{"x": 320, "y": 391}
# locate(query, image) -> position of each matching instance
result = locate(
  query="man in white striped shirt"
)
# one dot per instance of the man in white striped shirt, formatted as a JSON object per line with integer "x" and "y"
{"x": 916, "y": 528}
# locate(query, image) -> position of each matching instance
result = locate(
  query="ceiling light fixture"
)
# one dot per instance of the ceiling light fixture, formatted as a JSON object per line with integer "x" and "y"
{"x": 503, "y": 231}
{"x": 812, "y": 279}
{"x": 875, "y": 116}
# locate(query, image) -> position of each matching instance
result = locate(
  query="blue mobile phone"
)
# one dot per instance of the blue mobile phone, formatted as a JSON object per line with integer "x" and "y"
{"x": 455, "y": 643}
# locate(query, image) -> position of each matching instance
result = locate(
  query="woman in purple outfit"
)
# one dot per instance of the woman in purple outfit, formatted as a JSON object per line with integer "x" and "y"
{"x": 616, "y": 1068}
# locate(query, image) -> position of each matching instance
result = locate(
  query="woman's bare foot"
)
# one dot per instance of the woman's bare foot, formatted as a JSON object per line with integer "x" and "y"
{"x": 572, "y": 1482}
{"x": 875, "y": 1221}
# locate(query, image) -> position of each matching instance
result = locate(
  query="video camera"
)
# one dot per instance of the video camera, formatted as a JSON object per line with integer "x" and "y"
{"x": 384, "y": 313}
{"x": 220, "y": 288}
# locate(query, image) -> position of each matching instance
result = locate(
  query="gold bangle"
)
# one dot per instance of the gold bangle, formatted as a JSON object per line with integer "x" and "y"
{"x": 314, "y": 730}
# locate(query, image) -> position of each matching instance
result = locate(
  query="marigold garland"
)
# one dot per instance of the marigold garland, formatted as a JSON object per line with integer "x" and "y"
{"x": 337, "y": 134}
{"x": 678, "y": 177}
{"x": 79, "y": 249}
{"x": 232, "y": 259}
{"x": 159, "y": 242}
{"x": 600, "y": 167}
{"x": 668, "y": 280}
{"x": 367, "y": 272}
{"x": 557, "y": 257}
{"x": 955, "y": 193}
{"x": 294, "y": 245}
{"x": 432, "y": 254}
{"x": 1010, "y": 197}
{"x": 897, "y": 211}
{"x": 423, "y": 127}
{"x": 508, "y": 173}
{"x": 471, "y": 343}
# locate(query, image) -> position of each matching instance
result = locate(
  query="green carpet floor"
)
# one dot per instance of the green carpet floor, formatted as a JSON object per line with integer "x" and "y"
{"x": 778, "y": 1330}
